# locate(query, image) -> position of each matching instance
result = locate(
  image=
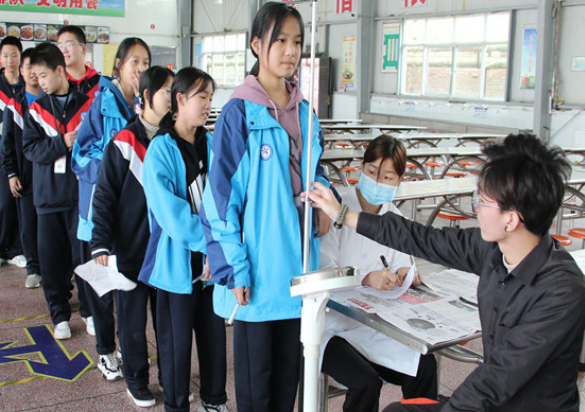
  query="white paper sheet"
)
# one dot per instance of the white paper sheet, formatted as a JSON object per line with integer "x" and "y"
{"x": 104, "y": 279}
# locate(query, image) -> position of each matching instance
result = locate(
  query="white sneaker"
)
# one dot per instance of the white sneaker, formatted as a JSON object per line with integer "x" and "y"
{"x": 19, "y": 261}
{"x": 119, "y": 358}
{"x": 32, "y": 281}
{"x": 206, "y": 407}
{"x": 89, "y": 327}
{"x": 109, "y": 367}
{"x": 62, "y": 330}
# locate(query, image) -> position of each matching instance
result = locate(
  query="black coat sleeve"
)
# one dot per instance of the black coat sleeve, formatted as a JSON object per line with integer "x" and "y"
{"x": 8, "y": 158}
{"x": 461, "y": 249}
{"x": 109, "y": 184}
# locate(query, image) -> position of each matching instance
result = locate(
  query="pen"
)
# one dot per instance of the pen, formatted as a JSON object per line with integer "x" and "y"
{"x": 385, "y": 263}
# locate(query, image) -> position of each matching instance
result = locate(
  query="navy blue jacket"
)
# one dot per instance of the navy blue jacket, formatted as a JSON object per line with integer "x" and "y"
{"x": 43, "y": 145}
{"x": 120, "y": 215}
{"x": 12, "y": 159}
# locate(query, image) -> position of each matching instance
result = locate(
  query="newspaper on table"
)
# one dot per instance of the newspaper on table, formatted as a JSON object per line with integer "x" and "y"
{"x": 104, "y": 279}
{"x": 444, "y": 312}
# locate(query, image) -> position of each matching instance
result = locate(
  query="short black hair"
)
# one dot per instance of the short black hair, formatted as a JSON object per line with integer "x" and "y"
{"x": 152, "y": 80}
{"x": 26, "y": 54}
{"x": 524, "y": 174}
{"x": 74, "y": 30}
{"x": 273, "y": 14}
{"x": 11, "y": 41}
{"x": 386, "y": 147}
{"x": 124, "y": 50}
{"x": 49, "y": 55}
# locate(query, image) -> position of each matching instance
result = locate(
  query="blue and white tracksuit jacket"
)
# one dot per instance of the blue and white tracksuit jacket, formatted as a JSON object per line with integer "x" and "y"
{"x": 250, "y": 220}
{"x": 175, "y": 230}
{"x": 108, "y": 114}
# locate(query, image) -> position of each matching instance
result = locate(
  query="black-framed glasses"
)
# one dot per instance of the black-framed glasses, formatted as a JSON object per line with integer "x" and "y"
{"x": 475, "y": 203}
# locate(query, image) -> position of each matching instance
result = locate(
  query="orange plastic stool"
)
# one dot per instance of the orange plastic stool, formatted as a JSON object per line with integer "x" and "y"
{"x": 578, "y": 233}
{"x": 563, "y": 240}
{"x": 456, "y": 174}
{"x": 342, "y": 144}
{"x": 452, "y": 218}
{"x": 352, "y": 180}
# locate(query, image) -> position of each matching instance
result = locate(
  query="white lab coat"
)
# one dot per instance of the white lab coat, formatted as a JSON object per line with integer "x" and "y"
{"x": 345, "y": 247}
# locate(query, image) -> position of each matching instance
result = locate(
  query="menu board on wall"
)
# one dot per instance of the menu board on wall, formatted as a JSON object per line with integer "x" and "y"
{"x": 48, "y": 32}
{"x": 110, "y": 8}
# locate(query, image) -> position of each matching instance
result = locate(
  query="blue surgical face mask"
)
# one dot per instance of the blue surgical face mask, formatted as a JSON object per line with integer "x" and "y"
{"x": 376, "y": 193}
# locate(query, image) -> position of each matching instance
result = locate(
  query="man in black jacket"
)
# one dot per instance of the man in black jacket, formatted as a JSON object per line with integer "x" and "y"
{"x": 531, "y": 293}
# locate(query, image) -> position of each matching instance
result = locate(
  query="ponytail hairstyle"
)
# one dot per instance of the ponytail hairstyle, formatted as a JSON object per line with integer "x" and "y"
{"x": 152, "y": 80}
{"x": 188, "y": 80}
{"x": 272, "y": 16}
{"x": 123, "y": 53}
{"x": 386, "y": 147}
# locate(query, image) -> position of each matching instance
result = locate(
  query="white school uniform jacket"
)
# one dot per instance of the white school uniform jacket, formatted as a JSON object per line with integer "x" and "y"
{"x": 345, "y": 247}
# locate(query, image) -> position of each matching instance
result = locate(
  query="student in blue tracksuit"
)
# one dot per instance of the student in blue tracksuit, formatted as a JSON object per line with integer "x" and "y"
{"x": 109, "y": 113}
{"x": 173, "y": 176}
{"x": 253, "y": 217}
{"x": 121, "y": 226}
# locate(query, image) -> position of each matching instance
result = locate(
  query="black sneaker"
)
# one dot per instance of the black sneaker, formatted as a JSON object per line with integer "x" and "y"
{"x": 142, "y": 397}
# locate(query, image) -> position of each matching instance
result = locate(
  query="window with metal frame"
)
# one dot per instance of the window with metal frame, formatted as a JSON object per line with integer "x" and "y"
{"x": 224, "y": 58}
{"x": 462, "y": 57}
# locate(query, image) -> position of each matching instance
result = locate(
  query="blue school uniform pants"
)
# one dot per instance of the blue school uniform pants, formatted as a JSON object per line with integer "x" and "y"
{"x": 10, "y": 245}
{"x": 266, "y": 365}
{"x": 27, "y": 221}
{"x": 59, "y": 252}
{"x": 101, "y": 308}
{"x": 177, "y": 316}
{"x": 132, "y": 320}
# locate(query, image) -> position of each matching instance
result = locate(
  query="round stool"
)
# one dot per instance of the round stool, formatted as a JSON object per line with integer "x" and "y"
{"x": 432, "y": 165}
{"x": 563, "y": 240}
{"x": 578, "y": 233}
{"x": 452, "y": 218}
{"x": 456, "y": 174}
{"x": 343, "y": 144}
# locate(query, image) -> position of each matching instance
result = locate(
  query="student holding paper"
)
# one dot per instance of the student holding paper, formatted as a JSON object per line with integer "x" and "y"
{"x": 120, "y": 225}
{"x": 174, "y": 174}
{"x": 357, "y": 356}
{"x": 530, "y": 290}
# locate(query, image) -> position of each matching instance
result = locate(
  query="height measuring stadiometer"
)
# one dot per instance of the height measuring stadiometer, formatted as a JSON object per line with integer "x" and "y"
{"x": 314, "y": 287}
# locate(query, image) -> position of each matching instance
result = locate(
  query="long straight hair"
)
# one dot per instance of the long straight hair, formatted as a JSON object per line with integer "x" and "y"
{"x": 272, "y": 14}
{"x": 124, "y": 51}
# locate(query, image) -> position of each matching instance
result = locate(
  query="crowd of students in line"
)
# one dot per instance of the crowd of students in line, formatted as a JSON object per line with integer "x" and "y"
{"x": 123, "y": 165}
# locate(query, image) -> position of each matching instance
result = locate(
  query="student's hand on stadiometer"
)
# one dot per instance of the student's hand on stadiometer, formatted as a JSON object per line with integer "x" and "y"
{"x": 15, "y": 186}
{"x": 324, "y": 199}
{"x": 101, "y": 260}
{"x": 69, "y": 138}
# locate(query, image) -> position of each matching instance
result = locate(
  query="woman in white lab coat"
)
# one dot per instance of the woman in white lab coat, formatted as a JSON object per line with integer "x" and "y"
{"x": 355, "y": 355}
